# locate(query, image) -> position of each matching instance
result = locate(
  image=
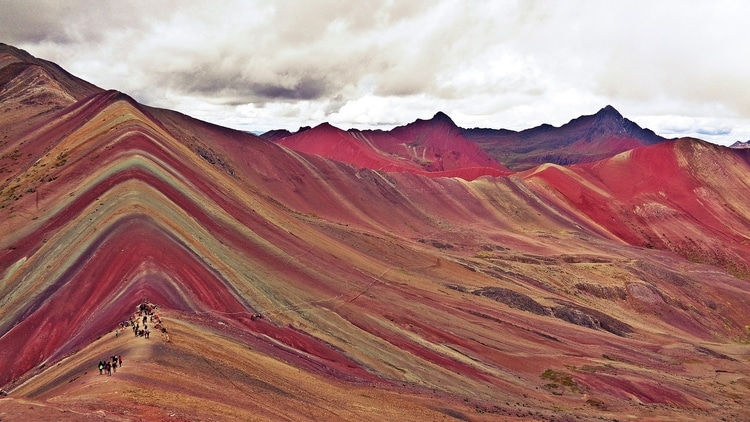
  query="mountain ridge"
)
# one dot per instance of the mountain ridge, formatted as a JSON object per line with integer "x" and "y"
{"x": 582, "y": 140}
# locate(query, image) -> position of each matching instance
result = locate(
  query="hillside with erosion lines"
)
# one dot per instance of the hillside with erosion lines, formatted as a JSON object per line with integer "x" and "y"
{"x": 362, "y": 275}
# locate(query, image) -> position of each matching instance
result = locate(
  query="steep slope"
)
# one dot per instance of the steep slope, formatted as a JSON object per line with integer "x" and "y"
{"x": 582, "y": 140}
{"x": 15, "y": 62}
{"x": 437, "y": 143}
{"x": 686, "y": 196}
{"x": 305, "y": 287}
{"x": 31, "y": 89}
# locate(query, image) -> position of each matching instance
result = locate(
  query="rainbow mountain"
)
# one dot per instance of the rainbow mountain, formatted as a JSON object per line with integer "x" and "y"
{"x": 430, "y": 272}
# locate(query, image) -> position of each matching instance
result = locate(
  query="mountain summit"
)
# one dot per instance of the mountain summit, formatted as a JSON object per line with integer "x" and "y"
{"x": 609, "y": 122}
{"x": 442, "y": 117}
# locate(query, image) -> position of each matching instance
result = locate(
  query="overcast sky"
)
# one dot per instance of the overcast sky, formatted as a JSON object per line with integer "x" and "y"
{"x": 681, "y": 68}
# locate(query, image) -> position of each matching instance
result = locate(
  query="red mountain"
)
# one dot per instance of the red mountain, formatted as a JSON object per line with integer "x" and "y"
{"x": 433, "y": 148}
{"x": 671, "y": 196}
{"x": 298, "y": 287}
{"x": 438, "y": 145}
{"x": 331, "y": 142}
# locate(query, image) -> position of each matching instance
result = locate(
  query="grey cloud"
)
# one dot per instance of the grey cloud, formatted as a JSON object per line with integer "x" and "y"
{"x": 521, "y": 62}
{"x": 31, "y": 22}
{"x": 238, "y": 86}
{"x": 299, "y": 51}
{"x": 73, "y": 22}
{"x": 302, "y": 89}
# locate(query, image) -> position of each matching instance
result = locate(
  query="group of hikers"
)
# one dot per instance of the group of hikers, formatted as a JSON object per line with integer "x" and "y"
{"x": 145, "y": 313}
{"x": 107, "y": 367}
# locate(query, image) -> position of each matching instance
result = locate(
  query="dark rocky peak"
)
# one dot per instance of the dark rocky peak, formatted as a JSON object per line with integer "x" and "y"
{"x": 609, "y": 121}
{"x": 607, "y": 117}
{"x": 441, "y": 117}
{"x": 608, "y": 112}
{"x": 740, "y": 145}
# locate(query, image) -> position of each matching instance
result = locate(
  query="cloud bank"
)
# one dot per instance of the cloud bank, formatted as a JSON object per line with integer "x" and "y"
{"x": 676, "y": 67}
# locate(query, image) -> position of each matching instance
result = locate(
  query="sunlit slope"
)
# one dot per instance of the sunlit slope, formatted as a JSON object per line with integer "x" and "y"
{"x": 686, "y": 196}
{"x": 167, "y": 380}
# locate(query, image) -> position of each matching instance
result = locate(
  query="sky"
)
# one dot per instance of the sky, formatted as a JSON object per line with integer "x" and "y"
{"x": 680, "y": 68}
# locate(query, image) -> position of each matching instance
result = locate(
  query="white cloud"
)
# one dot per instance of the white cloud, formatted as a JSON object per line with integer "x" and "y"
{"x": 512, "y": 64}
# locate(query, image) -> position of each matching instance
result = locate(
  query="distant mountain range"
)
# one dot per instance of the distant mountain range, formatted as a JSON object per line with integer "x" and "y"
{"x": 429, "y": 272}
{"x": 437, "y": 145}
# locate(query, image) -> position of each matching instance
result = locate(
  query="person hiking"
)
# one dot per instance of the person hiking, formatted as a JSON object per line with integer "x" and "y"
{"x": 108, "y": 368}
{"x": 119, "y": 360}
{"x": 101, "y": 367}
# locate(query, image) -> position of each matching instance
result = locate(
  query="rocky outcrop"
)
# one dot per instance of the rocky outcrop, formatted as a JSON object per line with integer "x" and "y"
{"x": 591, "y": 318}
{"x": 513, "y": 299}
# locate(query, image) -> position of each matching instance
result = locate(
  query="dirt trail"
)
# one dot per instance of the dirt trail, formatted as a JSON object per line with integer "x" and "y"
{"x": 69, "y": 389}
{"x": 79, "y": 370}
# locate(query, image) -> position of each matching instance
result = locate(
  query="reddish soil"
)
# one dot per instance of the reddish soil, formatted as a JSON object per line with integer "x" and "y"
{"x": 299, "y": 285}
{"x": 432, "y": 148}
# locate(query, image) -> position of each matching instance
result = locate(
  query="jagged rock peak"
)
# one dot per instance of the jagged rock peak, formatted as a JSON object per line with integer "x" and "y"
{"x": 740, "y": 145}
{"x": 608, "y": 118}
{"x": 608, "y": 110}
{"x": 442, "y": 117}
